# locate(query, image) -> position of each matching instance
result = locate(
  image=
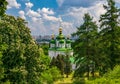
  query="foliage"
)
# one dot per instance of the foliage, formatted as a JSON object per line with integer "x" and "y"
{"x": 113, "y": 74}
{"x": 79, "y": 81}
{"x": 50, "y": 75}
{"x": 68, "y": 66}
{"x": 21, "y": 59}
{"x": 45, "y": 47}
{"x": 111, "y": 77}
{"x": 63, "y": 63}
{"x": 2, "y": 48}
{"x": 60, "y": 63}
{"x": 45, "y": 60}
{"x": 3, "y": 7}
{"x": 85, "y": 46}
{"x": 110, "y": 33}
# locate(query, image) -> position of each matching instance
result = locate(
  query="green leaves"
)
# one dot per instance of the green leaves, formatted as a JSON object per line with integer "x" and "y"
{"x": 110, "y": 30}
{"x": 84, "y": 45}
{"x": 3, "y": 7}
{"x": 21, "y": 59}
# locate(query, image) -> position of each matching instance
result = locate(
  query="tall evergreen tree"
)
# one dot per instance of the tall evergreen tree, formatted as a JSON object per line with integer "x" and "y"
{"x": 110, "y": 33}
{"x": 68, "y": 65}
{"x": 60, "y": 63}
{"x": 84, "y": 45}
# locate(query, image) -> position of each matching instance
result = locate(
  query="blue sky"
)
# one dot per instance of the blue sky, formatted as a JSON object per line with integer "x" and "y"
{"x": 44, "y": 16}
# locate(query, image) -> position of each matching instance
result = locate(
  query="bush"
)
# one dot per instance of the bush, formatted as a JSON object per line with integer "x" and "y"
{"x": 113, "y": 74}
{"x": 111, "y": 77}
{"x": 50, "y": 75}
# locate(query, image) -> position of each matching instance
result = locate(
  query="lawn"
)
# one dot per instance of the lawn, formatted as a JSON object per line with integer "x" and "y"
{"x": 65, "y": 80}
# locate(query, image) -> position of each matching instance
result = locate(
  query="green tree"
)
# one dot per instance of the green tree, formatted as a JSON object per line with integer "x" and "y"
{"x": 84, "y": 46}
{"x": 50, "y": 75}
{"x": 49, "y": 71}
{"x": 2, "y": 48}
{"x": 3, "y": 7}
{"x": 11, "y": 58}
{"x": 60, "y": 63}
{"x": 21, "y": 59}
{"x": 45, "y": 47}
{"x": 53, "y": 62}
{"x": 68, "y": 65}
{"x": 110, "y": 33}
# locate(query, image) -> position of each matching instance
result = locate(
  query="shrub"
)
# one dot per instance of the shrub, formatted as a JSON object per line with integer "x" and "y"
{"x": 50, "y": 75}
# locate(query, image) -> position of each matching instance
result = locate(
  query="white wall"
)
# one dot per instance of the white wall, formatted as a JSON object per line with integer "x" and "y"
{"x": 55, "y": 53}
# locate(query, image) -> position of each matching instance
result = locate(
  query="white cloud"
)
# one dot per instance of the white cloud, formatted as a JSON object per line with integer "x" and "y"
{"x": 32, "y": 13}
{"x": 48, "y": 23}
{"x": 13, "y": 3}
{"x": 72, "y": 18}
{"x": 47, "y": 14}
{"x": 47, "y": 11}
{"x": 77, "y": 13}
{"x": 65, "y": 4}
{"x": 22, "y": 14}
{"x": 34, "y": 19}
{"x": 68, "y": 28}
{"x": 29, "y": 5}
{"x": 50, "y": 18}
{"x": 37, "y": 26}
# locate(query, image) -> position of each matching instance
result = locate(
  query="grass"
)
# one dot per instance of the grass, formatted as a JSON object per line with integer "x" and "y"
{"x": 65, "y": 80}
{"x": 70, "y": 80}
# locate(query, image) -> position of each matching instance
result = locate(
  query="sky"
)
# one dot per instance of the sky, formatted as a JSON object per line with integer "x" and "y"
{"x": 44, "y": 17}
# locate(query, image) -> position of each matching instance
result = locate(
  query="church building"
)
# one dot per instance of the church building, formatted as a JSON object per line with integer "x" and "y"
{"x": 60, "y": 45}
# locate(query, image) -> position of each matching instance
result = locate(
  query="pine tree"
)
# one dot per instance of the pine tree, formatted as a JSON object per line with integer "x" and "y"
{"x": 60, "y": 63}
{"x": 110, "y": 33}
{"x": 68, "y": 65}
{"x": 84, "y": 45}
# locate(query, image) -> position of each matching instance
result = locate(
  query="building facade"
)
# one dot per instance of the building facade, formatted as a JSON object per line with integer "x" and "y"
{"x": 60, "y": 45}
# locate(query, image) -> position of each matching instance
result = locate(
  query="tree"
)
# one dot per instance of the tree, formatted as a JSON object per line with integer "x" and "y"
{"x": 2, "y": 48}
{"x": 3, "y": 7}
{"x": 68, "y": 65}
{"x": 110, "y": 33}
{"x": 11, "y": 57}
{"x": 45, "y": 47}
{"x": 84, "y": 46}
{"x": 53, "y": 62}
{"x": 49, "y": 72}
{"x": 60, "y": 63}
{"x": 21, "y": 59}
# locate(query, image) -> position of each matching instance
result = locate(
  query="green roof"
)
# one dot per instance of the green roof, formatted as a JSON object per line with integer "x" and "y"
{"x": 52, "y": 41}
{"x": 60, "y": 49}
{"x": 68, "y": 41}
{"x": 60, "y": 36}
{"x": 61, "y": 41}
{"x": 52, "y": 48}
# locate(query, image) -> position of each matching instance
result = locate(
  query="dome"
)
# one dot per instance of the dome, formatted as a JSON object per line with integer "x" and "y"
{"x": 68, "y": 41}
{"x": 61, "y": 36}
{"x": 61, "y": 41}
{"x": 52, "y": 41}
